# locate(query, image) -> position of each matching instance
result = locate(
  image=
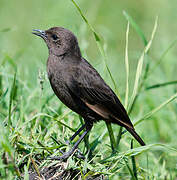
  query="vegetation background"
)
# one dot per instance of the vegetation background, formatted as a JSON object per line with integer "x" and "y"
{"x": 30, "y": 114}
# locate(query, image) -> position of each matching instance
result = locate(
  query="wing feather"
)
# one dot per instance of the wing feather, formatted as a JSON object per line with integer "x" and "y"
{"x": 88, "y": 85}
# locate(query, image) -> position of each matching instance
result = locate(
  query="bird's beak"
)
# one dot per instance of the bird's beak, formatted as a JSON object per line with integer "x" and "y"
{"x": 39, "y": 33}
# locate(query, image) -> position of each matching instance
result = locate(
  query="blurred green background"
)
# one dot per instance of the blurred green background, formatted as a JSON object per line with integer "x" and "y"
{"x": 21, "y": 50}
{"x": 20, "y": 17}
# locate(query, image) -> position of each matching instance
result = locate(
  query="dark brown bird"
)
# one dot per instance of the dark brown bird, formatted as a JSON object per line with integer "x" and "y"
{"x": 79, "y": 86}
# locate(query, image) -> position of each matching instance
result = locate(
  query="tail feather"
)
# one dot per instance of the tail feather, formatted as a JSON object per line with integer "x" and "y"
{"x": 136, "y": 136}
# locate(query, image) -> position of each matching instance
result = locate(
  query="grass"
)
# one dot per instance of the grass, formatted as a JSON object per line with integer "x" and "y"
{"x": 34, "y": 124}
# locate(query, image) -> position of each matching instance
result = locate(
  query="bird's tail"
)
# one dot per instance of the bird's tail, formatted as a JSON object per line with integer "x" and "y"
{"x": 136, "y": 136}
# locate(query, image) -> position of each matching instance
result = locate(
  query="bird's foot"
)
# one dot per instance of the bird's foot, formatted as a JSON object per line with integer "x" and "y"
{"x": 66, "y": 155}
{"x": 67, "y": 142}
{"x": 63, "y": 157}
{"x": 79, "y": 154}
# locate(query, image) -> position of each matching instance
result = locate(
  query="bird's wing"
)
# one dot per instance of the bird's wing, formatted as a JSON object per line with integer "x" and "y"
{"x": 88, "y": 85}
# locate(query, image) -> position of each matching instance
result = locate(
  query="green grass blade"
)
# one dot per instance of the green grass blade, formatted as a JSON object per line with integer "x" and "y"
{"x": 119, "y": 136}
{"x": 161, "y": 85}
{"x": 111, "y": 135}
{"x": 127, "y": 82}
{"x": 5, "y": 30}
{"x": 98, "y": 42}
{"x": 26, "y": 173}
{"x": 140, "y": 67}
{"x": 12, "y": 94}
{"x": 134, "y": 162}
{"x": 130, "y": 171}
{"x": 148, "y": 115}
{"x": 63, "y": 124}
{"x": 10, "y": 61}
{"x": 142, "y": 149}
{"x": 139, "y": 150}
{"x": 2, "y": 97}
{"x": 6, "y": 146}
{"x": 136, "y": 27}
{"x": 147, "y": 159}
{"x": 127, "y": 68}
{"x": 100, "y": 47}
{"x": 1, "y": 88}
{"x": 97, "y": 38}
{"x": 163, "y": 55}
{"x": 51, "y": 117}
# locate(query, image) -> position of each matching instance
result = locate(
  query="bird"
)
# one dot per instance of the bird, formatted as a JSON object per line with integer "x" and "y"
{"x": 79, "y": 85}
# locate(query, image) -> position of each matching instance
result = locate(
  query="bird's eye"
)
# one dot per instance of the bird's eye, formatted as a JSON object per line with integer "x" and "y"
{"x": 54, "y": 36}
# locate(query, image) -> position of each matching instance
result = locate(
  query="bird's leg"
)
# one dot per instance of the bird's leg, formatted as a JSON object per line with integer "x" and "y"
{"x": 70, "y": 152}
{"x": 89, "y": 124}
{"x": 76, "y": 133}
{"x": 72, "y": 137}
{"x": 79, "y": 154}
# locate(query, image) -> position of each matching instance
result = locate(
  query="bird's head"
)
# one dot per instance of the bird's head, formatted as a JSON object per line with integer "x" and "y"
{"x": 59, "y": 41}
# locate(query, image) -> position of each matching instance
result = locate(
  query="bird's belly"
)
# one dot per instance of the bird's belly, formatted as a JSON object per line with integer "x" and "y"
{"x": 61, "y": 91}
{"x": 70, "y": 100}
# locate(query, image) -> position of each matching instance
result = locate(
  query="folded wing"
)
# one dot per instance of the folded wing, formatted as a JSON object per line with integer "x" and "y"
{"x": 98, "y": 96}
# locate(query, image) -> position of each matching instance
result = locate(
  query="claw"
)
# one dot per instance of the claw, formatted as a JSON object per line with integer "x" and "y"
{"x": 66, "y": 155}
{"x": 73, "y": 150}
{"x": 79, "y": 155}
{"x": 62, "y": 157}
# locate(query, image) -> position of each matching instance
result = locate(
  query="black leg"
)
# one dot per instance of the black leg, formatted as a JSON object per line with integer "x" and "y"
{"x": 70, "y": 152}
{"x": 77, "y": 132}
